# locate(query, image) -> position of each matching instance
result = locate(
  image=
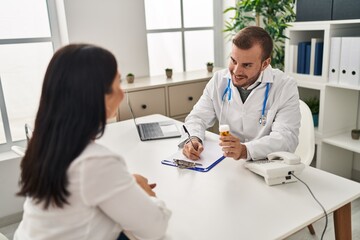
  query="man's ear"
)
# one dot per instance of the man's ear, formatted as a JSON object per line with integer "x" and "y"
{"x": 265, "y": 64}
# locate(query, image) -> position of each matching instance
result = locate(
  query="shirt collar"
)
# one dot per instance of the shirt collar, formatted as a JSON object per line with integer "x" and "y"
{"x": 257, "y": 82}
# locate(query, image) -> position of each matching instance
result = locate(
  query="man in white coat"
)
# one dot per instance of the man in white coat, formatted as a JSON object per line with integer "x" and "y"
{"x": 260, "y": 104}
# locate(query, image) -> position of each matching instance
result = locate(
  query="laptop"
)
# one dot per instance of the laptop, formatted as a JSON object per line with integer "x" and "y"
{"x": 155, "y": 130}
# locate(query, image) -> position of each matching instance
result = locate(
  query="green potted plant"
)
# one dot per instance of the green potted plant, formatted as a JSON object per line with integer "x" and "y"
{"x": 210, "y": 66}
{"x": 313, "y": 104}
{"x": 130, "y": 77}
{"x": 275, "y": 17}
{"x": 168, "y": 72}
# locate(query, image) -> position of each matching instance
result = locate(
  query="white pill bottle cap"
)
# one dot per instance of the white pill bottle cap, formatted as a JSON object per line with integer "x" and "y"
{"x": 224, "y": 128}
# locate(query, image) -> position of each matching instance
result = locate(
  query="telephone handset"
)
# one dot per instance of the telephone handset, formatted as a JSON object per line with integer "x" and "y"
{"x": 277, "y": 168}
{"x": 286, "y": 157}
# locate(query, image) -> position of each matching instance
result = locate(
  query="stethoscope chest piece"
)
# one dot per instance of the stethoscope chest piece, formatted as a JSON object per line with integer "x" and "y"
{"x": 262, "y": 120}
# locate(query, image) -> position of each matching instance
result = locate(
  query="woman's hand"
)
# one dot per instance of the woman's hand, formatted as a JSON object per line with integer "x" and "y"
{"x": 143, "y": 183}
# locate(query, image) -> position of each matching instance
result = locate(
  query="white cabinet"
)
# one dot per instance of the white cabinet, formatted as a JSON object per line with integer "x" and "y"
{"x": 183, "y": 97}
{"x": 143, "y": 102}
{"x": 173, "y": 97}
{"x": 339, "y": 104}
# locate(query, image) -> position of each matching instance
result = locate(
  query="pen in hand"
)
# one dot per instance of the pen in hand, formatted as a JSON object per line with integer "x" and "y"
{"x": 189, "y": 137}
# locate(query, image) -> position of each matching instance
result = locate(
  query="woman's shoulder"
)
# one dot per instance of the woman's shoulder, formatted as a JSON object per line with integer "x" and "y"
{"x": 96, "y": 151}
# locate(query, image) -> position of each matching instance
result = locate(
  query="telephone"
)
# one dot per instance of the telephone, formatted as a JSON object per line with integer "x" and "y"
{"x": 277, "y": 168}
{"x": 287, "y": 157}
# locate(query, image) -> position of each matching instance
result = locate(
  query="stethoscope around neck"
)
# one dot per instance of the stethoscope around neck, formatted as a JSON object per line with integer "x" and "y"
{"x": 227, "y": 95}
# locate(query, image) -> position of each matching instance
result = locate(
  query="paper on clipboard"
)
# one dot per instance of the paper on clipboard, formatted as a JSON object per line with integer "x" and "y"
{"x": 211, "y": 156}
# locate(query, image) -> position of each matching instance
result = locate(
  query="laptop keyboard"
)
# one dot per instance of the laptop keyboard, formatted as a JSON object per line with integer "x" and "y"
{"x": 151, "y": 130}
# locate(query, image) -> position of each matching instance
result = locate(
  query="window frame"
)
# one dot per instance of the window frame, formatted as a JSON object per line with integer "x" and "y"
{"x": 217, "y": 28}
{"x": 56, "y": 43}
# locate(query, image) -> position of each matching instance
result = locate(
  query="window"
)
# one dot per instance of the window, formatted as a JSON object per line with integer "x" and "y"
{"x": 180, "y": 34}
{"x": 27, "y": 42}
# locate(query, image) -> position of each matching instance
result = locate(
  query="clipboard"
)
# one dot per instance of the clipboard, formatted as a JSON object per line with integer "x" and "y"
{"x": 209, "y": 158}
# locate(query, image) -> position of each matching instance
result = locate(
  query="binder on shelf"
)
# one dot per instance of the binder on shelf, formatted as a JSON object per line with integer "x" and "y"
{"x": 293, "y": 58}
{"x": 307, "y": 57}
{"x": 301, "y": 58}
{"x": 314, "y": 46}
{"x": 319, "y": 48}
{"x": 334, "y": 63}
{"x": 350, "y": 61}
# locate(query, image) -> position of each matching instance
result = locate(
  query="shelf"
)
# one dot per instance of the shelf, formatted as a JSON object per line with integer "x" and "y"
{"x": 143, "y": 83}
{"x": 310, "y": 25}
{"x": 350, "y": 87}
{"x": 344, "y": 141}
{"x": 339, "y": 104}
{"x": 310, "y": 83}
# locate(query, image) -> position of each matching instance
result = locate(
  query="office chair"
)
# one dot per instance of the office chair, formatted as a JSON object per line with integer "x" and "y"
{"x": 20, "y": 150}
{"x": 2, "y": 237}
{"x": 306, "y": 147}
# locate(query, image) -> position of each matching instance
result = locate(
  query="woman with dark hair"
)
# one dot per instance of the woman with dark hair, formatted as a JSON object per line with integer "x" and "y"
{"x": 74, "y": 187}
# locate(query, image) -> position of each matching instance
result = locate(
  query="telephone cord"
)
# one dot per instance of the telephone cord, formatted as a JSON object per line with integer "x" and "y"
{"x": 325, "y": 214}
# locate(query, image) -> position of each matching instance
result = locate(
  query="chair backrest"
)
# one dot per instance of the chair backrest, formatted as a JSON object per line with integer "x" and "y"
{"x": 2, "y": 237}
{"x": 306, "y": 147}
{"x": 18, "y": 150}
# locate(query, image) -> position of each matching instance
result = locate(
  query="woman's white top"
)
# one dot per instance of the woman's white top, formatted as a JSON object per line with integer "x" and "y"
{"x": 282, "y": 111}
{"x": 104, "y": 200}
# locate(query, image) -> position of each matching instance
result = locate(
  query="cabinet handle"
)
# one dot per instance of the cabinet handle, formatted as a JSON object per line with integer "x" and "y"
{"x": 343, "y": 71}
{"x": 143, "y": 106}
{"x": 332, "y": 70}
{"x": 353, "y": 72}
{"x": 190, "y": 98}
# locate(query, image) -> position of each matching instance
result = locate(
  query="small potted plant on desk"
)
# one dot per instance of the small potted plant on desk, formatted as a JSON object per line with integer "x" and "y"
{"x": 313, "y": 104}
{"x": 168, "y": 72}
{"x": 130, "y": 78}
{"x": 210, "y": 66}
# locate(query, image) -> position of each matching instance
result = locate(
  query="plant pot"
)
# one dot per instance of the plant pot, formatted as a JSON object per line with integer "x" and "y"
{"x": 210, "y": 68}
{"x": 168, "y": 73}
{"x": 355, "y": 134}
{"x": 130, "y": 79}
{"x": 316, "y": 119}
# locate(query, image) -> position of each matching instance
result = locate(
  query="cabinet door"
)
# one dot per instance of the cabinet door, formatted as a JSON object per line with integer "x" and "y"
{"x": 182, "y": 98}
{"x": 143, "y": 103}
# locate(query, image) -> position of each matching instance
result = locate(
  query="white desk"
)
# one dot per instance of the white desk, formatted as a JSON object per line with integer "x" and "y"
{"x": 230, "y": 202}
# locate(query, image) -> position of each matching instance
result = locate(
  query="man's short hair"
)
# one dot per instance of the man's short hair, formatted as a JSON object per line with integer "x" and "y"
{"x": 252, "y": 35}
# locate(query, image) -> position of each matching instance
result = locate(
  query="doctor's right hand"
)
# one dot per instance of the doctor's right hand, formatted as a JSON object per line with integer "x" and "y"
{"x": 193, "y": 152}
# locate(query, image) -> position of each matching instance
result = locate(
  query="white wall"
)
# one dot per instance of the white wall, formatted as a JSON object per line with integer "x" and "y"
{"x": 227, "y": 42}
{"x": 118, "y": 25}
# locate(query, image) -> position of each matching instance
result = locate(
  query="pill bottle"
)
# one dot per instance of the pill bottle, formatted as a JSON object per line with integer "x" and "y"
{"x": 224, "y": 130}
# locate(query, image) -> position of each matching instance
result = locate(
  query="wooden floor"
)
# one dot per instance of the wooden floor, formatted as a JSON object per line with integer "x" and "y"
{"x": 304, "y": 234}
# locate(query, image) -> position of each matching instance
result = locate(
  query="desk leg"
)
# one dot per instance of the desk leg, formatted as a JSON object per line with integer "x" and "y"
{"x": 342, "y": 222}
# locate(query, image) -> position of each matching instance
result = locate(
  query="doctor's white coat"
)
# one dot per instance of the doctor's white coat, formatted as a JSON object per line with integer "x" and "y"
{"x": 282, "y": 112}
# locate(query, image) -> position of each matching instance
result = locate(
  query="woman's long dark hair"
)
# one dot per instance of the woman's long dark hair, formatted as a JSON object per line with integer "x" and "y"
{"x": 72, "y": 112}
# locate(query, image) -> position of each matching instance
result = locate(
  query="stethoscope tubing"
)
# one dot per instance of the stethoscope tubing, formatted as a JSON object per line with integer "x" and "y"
{"x": 228, "y": 92}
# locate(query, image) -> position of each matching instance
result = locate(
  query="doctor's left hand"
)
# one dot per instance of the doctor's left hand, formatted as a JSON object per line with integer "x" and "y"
{"x": 232, "y": 147}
